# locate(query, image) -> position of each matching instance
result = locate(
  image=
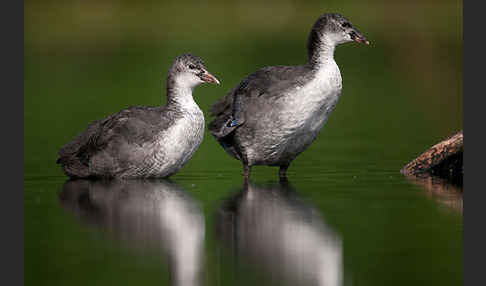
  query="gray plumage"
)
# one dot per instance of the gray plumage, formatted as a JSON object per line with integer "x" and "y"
{"x": 276, "y": 113}
{"x": 144, "y": 142}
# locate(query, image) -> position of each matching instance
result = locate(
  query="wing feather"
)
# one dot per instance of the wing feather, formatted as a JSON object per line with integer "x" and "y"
{"x": 266, "y": 84}
{"x": 132, "y": 126}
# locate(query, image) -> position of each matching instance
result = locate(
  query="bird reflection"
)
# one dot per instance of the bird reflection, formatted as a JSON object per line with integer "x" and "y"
{"x": 144, "y": 213}
{"x": 271, "y": 227}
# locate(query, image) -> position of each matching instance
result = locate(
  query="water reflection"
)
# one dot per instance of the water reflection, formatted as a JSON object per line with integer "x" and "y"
{"x": 145, "y": 213}
{"x": 441, "y": 190}
{"x": 269, "y": 226}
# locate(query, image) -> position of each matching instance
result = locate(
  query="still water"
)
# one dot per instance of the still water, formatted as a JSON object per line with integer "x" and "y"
{"x": 374, "y": 229}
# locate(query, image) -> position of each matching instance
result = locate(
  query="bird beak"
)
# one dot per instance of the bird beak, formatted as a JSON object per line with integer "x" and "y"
{"x": 207, "y": 77}
{"x": 358, "y": 37}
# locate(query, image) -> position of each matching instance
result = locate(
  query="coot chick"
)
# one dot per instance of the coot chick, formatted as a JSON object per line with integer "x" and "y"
{"x": 274, "y": 114}
{"x": 141, "y": 141}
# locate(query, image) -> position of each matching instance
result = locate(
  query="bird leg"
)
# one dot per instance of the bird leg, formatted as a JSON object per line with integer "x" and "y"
{"x": 282, "y": 172}
{"x": 246, "y": 171}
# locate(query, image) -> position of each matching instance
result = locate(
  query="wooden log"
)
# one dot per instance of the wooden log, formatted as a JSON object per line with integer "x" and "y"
{"x": 444, "y": 160}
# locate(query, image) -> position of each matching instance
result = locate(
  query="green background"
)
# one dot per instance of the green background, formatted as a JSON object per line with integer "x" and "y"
{"x": 84, "y": 60}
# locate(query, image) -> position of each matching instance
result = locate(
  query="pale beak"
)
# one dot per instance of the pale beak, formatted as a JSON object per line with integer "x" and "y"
{"x": 207, "y": 77}
{"x": 358, "y": 37}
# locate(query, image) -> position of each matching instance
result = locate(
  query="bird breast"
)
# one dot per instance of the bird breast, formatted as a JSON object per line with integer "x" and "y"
{"x": 177, "y": 144}
{"x": 311, "y": 104}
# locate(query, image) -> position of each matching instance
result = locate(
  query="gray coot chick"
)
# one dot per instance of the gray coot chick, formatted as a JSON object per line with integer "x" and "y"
{"x": 140, "y": 141}
{"x": 275, "y": 113}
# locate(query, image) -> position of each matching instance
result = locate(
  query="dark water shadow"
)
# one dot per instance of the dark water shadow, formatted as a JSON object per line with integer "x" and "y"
{"x": 441, "y": 190}
{"x": 272, "y": 229}
{"x": 143, "y": 214}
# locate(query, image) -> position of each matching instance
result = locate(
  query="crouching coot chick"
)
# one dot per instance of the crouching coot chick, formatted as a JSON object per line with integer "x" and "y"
{"x": 144, "y": 142}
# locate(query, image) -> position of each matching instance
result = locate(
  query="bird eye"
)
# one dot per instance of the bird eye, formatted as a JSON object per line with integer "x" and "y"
{"x": 346, "y": 25}
{"x": 192, "y": 67}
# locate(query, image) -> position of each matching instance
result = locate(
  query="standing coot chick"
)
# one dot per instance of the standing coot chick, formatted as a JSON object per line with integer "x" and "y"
{"x": 275, "y": 113}
{"x": 144, "y": 142}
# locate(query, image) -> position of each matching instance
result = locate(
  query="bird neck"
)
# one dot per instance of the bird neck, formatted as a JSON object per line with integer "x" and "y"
{"x": 322, "y": 55}
{"x": 320, "y": 48}
{"x": 179, "y": 95}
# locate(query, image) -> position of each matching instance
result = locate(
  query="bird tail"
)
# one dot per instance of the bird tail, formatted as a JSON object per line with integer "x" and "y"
{"x": 224, "y": 133}
{"x": 72, "y": 167}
